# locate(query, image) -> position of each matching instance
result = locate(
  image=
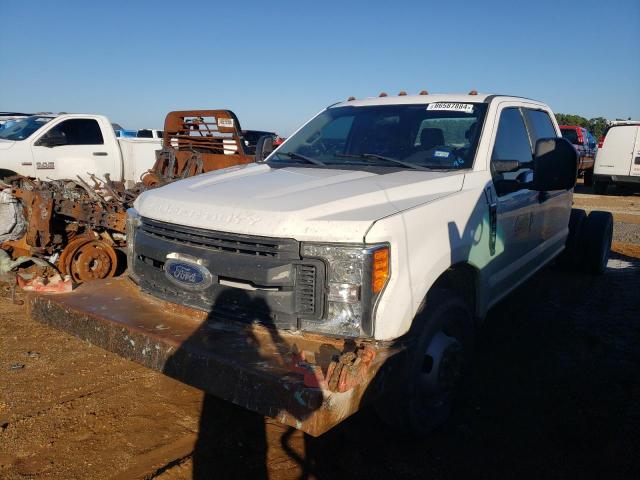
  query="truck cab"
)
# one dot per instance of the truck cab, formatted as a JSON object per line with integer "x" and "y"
{"x": 435, "y": 181}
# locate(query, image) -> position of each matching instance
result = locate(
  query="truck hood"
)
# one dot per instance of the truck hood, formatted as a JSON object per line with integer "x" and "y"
{"x": 6, "y": 144}
{"x": 294, "y": 202}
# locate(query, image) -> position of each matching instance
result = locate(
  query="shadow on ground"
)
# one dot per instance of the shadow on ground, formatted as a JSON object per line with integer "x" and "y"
{"x": 556, "y": 395}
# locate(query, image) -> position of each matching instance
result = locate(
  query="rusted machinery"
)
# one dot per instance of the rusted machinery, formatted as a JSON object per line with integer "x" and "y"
{"x": 79, "y": 228}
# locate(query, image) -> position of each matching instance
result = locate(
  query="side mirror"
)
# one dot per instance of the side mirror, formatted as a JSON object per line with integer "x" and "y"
{"x": 555, "y": 165}
{"x": 264, "y": 147}
{"x": 52, "y": 139}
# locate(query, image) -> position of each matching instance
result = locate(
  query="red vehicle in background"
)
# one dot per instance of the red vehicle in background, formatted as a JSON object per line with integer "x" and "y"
{"x": 585, "y": 144}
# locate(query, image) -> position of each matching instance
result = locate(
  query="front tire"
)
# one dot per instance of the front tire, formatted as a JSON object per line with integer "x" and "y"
{"x": 438, "y": 366}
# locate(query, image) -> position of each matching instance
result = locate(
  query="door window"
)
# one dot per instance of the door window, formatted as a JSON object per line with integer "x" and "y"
{"x": 511, "y": 144}
{"x": 540, "y": 125}
{"x": 512, "y": 140}
{"x": 79, "y": 131}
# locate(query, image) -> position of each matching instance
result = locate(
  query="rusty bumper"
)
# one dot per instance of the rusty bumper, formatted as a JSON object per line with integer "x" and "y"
{"x": 309, "y": 382}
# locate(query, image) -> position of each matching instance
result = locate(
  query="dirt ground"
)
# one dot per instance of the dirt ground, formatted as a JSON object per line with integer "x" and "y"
{"x": 556, "y": 395}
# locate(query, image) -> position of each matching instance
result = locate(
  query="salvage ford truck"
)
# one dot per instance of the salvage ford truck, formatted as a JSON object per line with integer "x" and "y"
{"x": 351, "y": 265}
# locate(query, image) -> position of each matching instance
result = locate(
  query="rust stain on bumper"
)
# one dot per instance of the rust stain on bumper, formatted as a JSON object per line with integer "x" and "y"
{"x": 309, "y": 382}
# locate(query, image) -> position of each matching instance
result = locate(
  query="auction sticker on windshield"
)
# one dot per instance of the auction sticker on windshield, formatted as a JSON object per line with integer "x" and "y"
{"x": 451, "y": 107}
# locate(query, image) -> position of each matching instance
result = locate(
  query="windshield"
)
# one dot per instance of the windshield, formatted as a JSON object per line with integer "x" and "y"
{"x": 24, "y": 128}
{"x": 424, "y": 136}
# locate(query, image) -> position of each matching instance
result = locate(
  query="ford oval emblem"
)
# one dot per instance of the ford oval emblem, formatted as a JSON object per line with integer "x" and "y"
{"x": 186, "y": 274}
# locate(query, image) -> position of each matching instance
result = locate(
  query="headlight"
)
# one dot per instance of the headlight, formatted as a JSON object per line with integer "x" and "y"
{"x": 356, "y": 276}
{"x": 132, "y": 224}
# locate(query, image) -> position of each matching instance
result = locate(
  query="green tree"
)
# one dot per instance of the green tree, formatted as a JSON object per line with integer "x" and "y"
{"x": 570, "y": 119}
{"x": 597, "y": 126}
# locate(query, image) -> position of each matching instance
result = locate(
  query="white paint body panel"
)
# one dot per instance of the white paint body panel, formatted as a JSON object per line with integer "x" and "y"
{"x": 308, "y": 204}
{"x": 27, "y": 158}
{"x": 432, "y": 220}
{"x": 621, "y": 146}
{"x": 138, "y": 156}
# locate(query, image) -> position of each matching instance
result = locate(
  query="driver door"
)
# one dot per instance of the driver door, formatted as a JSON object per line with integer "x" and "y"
{"x": 81, "y": 150}
{"x": 514, "y": 207}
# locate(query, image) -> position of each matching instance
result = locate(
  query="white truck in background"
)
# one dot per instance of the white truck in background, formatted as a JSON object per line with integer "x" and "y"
{"x": 66, "y": 146}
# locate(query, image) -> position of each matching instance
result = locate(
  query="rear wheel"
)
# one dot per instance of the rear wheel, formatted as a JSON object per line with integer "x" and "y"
{"x": 86, "y": 258}
{"x": 596, "y": 236}
{"x": 571, "y": 256}
{"x": 438, "y": 366}
{"x": 6, "y": 174}
{"x": 600, "y": 188}
{"x": 588, "y": 178}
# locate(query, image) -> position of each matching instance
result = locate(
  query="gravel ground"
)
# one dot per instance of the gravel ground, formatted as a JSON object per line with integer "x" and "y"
{"x": 556, "y": 395}
{"x": 626, "y": 233}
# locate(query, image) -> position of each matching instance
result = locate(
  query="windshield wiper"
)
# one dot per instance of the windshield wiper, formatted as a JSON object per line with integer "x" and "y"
{"x": 297, "y": 156}
{"x": 380, "y": 157}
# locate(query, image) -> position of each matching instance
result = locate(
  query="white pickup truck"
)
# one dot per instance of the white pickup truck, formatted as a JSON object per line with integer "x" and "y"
{"x": 349, "y": 267}
{"x": 69, "y": 145}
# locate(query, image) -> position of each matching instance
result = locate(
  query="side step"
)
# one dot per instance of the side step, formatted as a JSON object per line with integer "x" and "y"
{"x": 309, "y": 382}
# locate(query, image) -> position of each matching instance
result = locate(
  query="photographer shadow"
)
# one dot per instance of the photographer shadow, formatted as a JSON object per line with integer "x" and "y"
{"x": 232, "y": 439}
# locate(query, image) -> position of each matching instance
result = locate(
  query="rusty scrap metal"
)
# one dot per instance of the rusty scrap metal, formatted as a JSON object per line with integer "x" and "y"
{"x": 79, "y": 227}
{"x": 88, "y": 258}
{"x": 197, "y": 141}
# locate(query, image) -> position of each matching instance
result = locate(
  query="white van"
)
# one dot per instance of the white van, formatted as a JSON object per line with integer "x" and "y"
{"x": 618, "y": 160}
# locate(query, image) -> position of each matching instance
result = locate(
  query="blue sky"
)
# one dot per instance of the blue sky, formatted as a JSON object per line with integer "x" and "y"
{"x": 277, "y": 63}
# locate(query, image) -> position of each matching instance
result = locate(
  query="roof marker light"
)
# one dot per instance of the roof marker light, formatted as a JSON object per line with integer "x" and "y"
{"x": 383, "y": 94}
{"x": 351, "y": 99}
{"x": 424, "y": 92}
{"x": 402, "y": 93}
{"x": 473, "y": 92}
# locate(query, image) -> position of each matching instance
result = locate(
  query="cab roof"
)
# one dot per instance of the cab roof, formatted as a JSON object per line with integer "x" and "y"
{"x": 430, "y": 98}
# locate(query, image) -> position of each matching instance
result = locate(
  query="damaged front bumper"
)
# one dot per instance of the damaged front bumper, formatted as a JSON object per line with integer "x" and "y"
{"x": 310, "y": 382}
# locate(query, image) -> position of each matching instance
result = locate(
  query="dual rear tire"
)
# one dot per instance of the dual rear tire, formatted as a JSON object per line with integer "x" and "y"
{"x": 588, "y": 178}
{"x": 589, "y": 242}
{"x": 600, "y": 188}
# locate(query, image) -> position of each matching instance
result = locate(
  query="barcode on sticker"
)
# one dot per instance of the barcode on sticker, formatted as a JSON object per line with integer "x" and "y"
{"x": 451, "y": 107}
{"x": 225, "y": 122}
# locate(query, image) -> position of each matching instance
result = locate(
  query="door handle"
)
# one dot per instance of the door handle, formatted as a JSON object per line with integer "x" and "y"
{"x": 100, "y": 154}
{"x": 492, "y": 203}
{"x": 27, "y": 164}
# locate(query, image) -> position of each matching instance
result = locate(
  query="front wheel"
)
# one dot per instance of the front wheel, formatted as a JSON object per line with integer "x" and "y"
{"x": 438, "y": 366}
